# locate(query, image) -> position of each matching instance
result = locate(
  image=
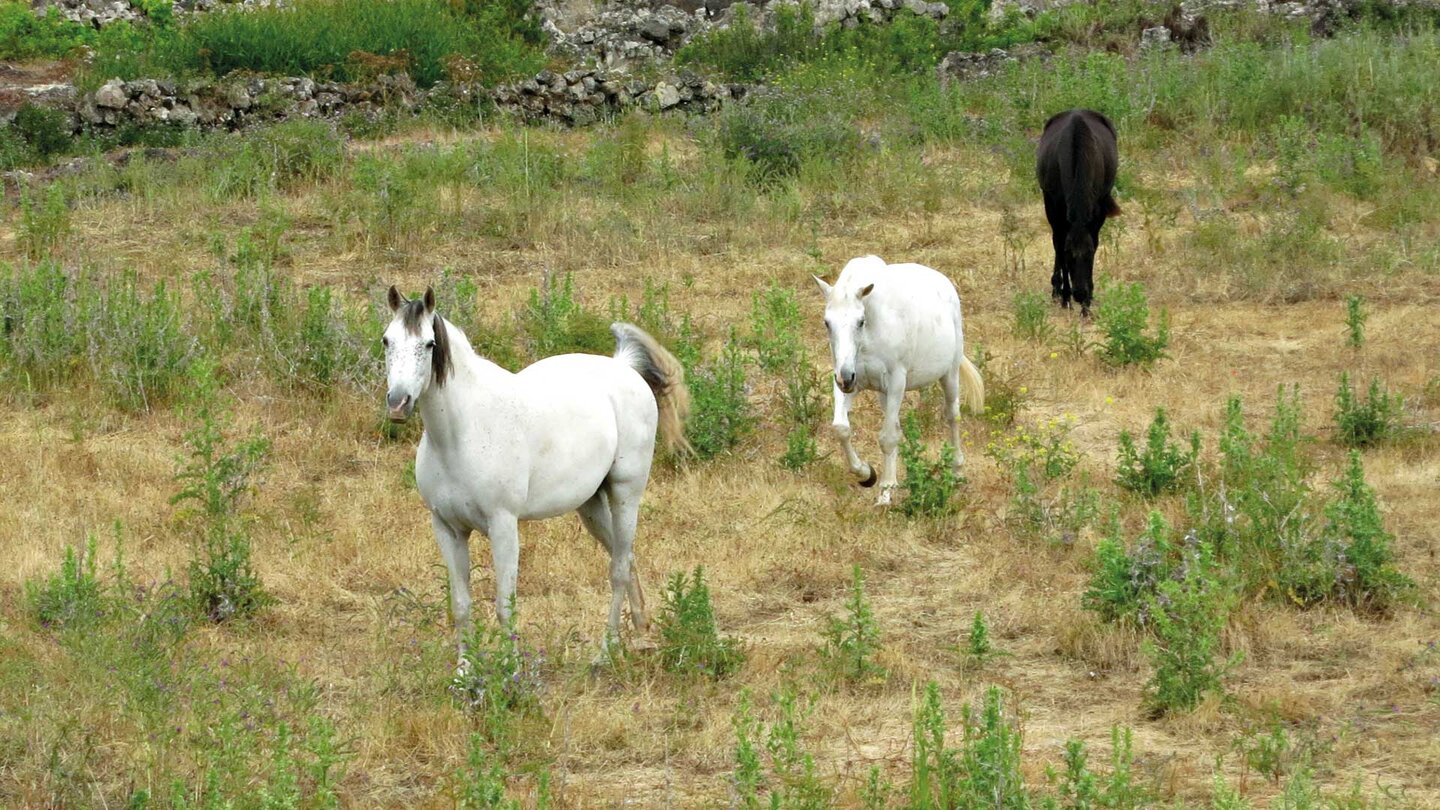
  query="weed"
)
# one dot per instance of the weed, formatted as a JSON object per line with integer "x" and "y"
{"x": 1125, "y": 580}
{"x": 214, "y": 479}
{"x": 930, "y": 486}
{"x": 776, "y": 133}
{"x": 1032, "y": 316}
{"x": 720, "y": 413}
{"x": 498, "y": 677}
{"x": 480, "y": 785}
{"x": 775, "y": 335}
{"x": 689, "y": 640}
{"x": 1188, "y": 614}
{"x": 1057, "y": 519}
{"x": 792, "y": 780}
{"x": 139, "y": 347}
{"x": 72, "y": 596}
{"x": 557, "y": 323}
{"x": 853, "y": 639}
{"x": 1369, "y": 422}
{"x": 44, "y": 225}
{"x": 1045, "y": 449}
{"x": 1355, "y": 317}
{"x": 1368, "y": 577}
{"x": 1123, "y": 316}
{"x": 978, "y": 646}
{"x": 1161, "y": 466}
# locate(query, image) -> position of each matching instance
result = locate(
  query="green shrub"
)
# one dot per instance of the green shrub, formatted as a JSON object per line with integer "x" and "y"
{"x": 26, "y": 35}
{"x": 214, "y": 480}
{"x": 930, "y": 486}
{"x": 689, "y": 640}
{"x": 1125, "y": 579}
{"x": 720, "y": 414}
{"x": 775, "y": 335}
{"x": 44, "y": 342}
{"x": 978, "y": 646}
{"x": 777, "y": 132}
{"x": 1188, "y": 614}
{"x": 139, "y": 347}
{"x": 1362, "y": 423}
{"x": 1368, "y": 577}
{"x": 1054, "y": 516}
{"x": 1355, "y": 317}
{"x": 72, "y": 596}
{"x": 792, "y": 780}
{"x": 1161, "y": 466}
{"x": 480, "y": 785}
{"x": 1045, "y": 449}
{"x": 46, "y": 130}
{"x": 742, "y": 52}
{"x": 557, "y": 323}
{"x": 279, "y": 157}
{"x": 853, "y": 640}
{"x": 498, "y": 678}
{"x": 1032, "y": 316}
{"x": 1123, "y": 316}
{"x": 983, "y": 772}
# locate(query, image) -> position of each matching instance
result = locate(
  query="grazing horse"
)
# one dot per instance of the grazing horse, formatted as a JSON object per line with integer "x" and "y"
{"x": 895, "y": 328}
{"x": 574, "y": 432}
{"x": 1076, "y": 166}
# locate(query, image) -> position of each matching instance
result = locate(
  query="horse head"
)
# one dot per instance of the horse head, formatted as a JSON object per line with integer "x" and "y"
{"x": 844, "y": 321}
{"x": 417, "y": 352}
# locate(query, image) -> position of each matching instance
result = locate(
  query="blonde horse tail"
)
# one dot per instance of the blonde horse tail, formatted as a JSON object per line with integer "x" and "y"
{"x": 665, "y": 376}
{"x": 974, "y": 387}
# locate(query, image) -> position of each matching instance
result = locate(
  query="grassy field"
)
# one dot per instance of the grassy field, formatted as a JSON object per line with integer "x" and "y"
{"x": 1250, "y": 221}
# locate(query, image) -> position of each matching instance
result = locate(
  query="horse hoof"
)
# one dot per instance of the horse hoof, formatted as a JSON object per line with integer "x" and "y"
{"x": 870, "y": 482}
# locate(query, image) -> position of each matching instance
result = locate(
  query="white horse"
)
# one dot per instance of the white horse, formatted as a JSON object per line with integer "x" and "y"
{"x": 575, "y": 432}
{"x": 895, "y": 328}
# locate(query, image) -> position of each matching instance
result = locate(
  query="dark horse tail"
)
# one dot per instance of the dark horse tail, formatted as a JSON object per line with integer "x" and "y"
{"x": 1082, "y": 172}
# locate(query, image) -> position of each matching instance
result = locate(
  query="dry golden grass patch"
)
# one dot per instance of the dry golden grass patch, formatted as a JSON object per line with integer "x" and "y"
{"x": 345, "y": 546}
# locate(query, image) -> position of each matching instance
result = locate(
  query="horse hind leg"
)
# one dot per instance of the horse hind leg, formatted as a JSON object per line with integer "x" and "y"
{"x": 596, "y": 516}
{"x": 951, "y": 384}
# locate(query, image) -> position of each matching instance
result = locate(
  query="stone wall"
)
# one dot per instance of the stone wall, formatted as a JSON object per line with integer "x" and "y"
{"x": 572, "y": 98}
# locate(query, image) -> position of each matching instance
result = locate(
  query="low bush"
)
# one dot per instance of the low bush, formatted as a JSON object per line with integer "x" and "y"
{"x": 1188, "y": 613}
{"x": 1368, "y": 421}
{"x": 689, "y": 640}
{"x": 1123, "y": 317}
{"x": 930, "y": 485}
{"x": 853, "y": 639}
{"x": 1161, "y": 466}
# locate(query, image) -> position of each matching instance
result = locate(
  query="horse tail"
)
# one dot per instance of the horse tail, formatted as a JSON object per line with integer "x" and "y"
{"x": 1074, "y": 153}
{"x": 665, "y": 376}
{"x": 974, "y": 387}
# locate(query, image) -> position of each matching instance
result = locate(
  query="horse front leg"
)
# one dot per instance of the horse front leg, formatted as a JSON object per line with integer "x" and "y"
{"x": 890, "y": 435}
{"x": 455, "y": 550}
{"x": 841, "y": 424}
{"x": 504, "y": 534}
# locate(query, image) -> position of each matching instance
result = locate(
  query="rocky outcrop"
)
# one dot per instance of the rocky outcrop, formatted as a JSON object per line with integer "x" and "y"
{"x": 964, "y": 66}
{"x": 103, "y": 12}
{"x": 625, "y": 36}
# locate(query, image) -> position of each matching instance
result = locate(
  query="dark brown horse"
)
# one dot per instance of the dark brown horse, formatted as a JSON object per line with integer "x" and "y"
{"x": 1076, "y": 166}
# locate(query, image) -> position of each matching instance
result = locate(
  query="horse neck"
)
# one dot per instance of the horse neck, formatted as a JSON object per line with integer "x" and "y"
{"x": 475, "y": 385}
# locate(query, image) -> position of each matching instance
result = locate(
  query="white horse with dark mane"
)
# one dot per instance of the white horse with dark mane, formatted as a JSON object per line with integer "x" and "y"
{"x": 575, "y": 432}
{"x": 895, "y": 328}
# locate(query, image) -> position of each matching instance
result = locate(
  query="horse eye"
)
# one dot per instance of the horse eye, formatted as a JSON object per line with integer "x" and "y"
{"x": 429, "y": 344}
{"x": 385, "y": 341}
{"x": 862, "y": 324}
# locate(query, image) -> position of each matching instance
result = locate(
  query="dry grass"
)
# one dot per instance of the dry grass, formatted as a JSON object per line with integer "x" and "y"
{"x": 346, "y": 547}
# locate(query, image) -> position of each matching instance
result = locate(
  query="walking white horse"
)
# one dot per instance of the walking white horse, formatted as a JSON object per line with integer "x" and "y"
{"x": 895, "y": 328}
{"x": 574, "y": 432}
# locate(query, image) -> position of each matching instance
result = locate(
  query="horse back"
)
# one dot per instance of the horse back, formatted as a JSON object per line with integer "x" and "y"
{"x": 1077, "y": 160}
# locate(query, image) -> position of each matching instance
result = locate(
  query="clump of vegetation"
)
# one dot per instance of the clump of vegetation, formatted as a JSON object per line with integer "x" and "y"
{"x": 1355, "y": 317}
{"x": 1161, "y": 466}
{"x": 44, "y": 224}
{"x": 1123, "y": 317}
{"x": 1362, "y": 423}
{"x": 214, "y": 479}
{"x": 557, "y": 323}
{"x": 1077, "y": 786}
{"x": 792, "y": 779}
{"x": 1056, "y": 515}
{"x": 930, "y": 485}
{"x": 777, "y": 132}
{"x": 720, "y": 412}
{"x": 1367, "y": 577}
{"x": 74, "y": 595}
{"x": 853, "y": 640}
{"x": 1045, "y": 449}
{"x": 498, "y": 679}
{"x": 690, "y": 643}
{"x": 775, "y": 335}
{"x": 1032, "y": 316}
{"x": 1127, "y": 576}
{"x": 1188, "y": 613}
{"x": 983, "y": 772}
{"x": 27, "y": 35}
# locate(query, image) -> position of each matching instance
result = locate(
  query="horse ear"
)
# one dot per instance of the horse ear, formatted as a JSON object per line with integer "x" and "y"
{"x": 429, "y": 299}
{"x": 824, "y": 288}
{"x": 395, "y": 298}
{"x": 866, "y": 291}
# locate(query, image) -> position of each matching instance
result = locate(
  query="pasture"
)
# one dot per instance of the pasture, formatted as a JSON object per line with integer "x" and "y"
{"x": 1263, "y": 184}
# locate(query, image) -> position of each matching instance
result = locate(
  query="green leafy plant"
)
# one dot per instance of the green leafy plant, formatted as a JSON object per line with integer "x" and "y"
{"x": 852, "y": 640}
{"x": 1055, "y": 515}
{"x": 1124, "y": 579}
{"x": 1368, "y": 577}
{"x": 1188, "y": 614}
{"x": 1362, "y": 423}
{"x": 1032, "y": 316}
{"x": 1355, "y": 317}
{"x": 557, "y": 323}
{"x": 44, "y": 224}
{"x": 930, "y": 485}
{"x": 1123, "y": 317}
{"x": 792, "y": 779}
{"x": 1161, "y": 466}
{"x": 689, "y": 640}
{"x": 72, "y": 596}
{"x": 720, "y": 412}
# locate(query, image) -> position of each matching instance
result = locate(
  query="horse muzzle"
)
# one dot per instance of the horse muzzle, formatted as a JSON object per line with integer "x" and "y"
{"x": 846, "y": 382}
{"x": 400, "y": 407}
